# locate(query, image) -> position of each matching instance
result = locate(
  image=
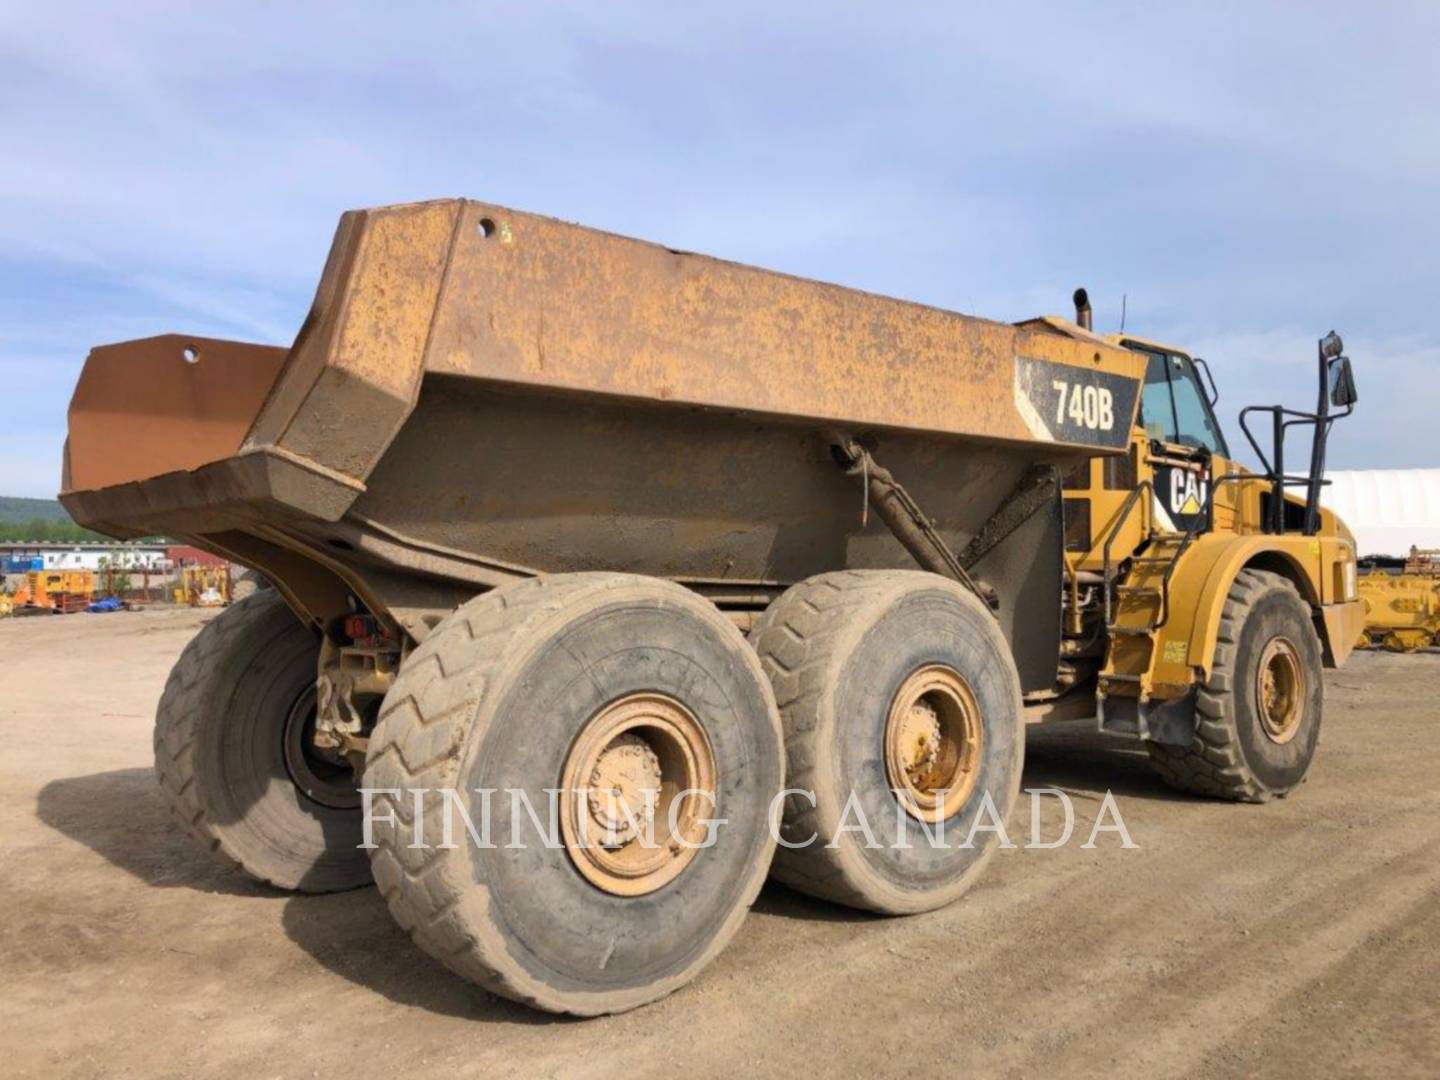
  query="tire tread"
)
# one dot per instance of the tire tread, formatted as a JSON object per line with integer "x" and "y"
{"x": 800, "y": 639}
{"x": 179, "y": 714}
{"x": 1214, "y": 763}
{"x": 419, "y": 742}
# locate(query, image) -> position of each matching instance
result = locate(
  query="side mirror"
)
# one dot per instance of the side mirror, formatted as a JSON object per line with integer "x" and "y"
{"x": 1342, "y": 383}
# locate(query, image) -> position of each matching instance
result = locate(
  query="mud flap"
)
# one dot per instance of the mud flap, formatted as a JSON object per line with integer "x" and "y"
{"x": 1170, "y": 722}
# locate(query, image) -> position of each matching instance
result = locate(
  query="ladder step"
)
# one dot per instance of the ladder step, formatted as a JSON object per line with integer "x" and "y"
{"x": 1138, "y": 590}
{"x": 1132, "y": 631}
{"x": 1121, "y": 677}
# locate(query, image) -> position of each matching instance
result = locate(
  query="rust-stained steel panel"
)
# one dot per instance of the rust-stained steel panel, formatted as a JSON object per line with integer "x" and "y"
{"x": 472, "y": 290}
{"x": 142, "y": 408}
{"x": 479, "y": 394}
{"x": 356, "y": 365}
{"x": 538, "y": 302}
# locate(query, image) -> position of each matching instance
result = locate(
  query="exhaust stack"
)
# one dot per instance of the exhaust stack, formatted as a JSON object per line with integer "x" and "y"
{"x": 1082, "y": 309}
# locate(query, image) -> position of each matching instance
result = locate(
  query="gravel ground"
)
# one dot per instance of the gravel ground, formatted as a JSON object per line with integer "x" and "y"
{"x": 1237, "y": 940}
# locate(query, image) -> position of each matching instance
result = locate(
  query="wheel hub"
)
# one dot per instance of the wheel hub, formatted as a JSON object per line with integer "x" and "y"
{"x": 1280, "y": 690}
{"x": 637, "y": 785}
{"x": 920, "y": 741}
{"x": 933, "y": 743}
{"x": 324, "y": 776}
{"x": 624, "y": 786}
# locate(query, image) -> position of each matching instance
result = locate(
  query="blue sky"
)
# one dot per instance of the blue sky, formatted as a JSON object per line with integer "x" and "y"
{"x": 1250, "y": 175}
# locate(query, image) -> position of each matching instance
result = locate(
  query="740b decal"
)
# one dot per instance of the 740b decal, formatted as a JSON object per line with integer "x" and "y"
{"x": 1071, "y": 404}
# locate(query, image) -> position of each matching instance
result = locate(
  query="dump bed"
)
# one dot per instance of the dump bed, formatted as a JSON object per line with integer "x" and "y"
{"x": 479, "y": 393}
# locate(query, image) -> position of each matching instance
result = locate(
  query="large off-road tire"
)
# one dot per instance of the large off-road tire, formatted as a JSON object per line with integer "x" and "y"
{"x": 846, "y": 653}
{"x": 232, "y": 749}
{"x": 1257, "y": 717}
{"x": 529, "y": 689}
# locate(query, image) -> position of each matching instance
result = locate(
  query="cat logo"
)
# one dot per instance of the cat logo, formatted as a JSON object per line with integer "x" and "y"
{"x": 1181, "y": 499}
{"x": 1187, "y": 492}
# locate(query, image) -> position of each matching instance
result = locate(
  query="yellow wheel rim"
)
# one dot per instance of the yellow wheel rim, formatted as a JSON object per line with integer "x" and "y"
{"x": 933, "y": 743}
{"x": 637, "y": 766}
{"x": 1280, "y": 690}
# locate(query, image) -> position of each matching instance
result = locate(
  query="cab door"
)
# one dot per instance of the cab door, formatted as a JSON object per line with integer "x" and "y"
{"x": 1185, "y": 443}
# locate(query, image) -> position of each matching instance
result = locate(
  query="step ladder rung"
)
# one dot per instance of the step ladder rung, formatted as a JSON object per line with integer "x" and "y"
{"x": 1133, "y": 631}
{"x": 1120, "y": 677}
{"x": 1138, "y": 590}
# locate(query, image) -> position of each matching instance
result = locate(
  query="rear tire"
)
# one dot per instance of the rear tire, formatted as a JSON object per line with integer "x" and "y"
{"x": 844, "y": 652}
{"x": 230, "y": 737}
{"x": 506, "y": 694}
{"x": 1257, "y": 717}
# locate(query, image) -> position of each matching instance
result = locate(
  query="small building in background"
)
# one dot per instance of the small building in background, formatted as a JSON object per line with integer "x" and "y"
{"x": 185, "y": 555}
{"x": 1389, "y": 510}
{"x": 18, "y": 557}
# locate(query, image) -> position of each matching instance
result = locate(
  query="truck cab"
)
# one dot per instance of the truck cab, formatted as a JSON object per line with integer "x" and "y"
{"x": 1156, "y": 538}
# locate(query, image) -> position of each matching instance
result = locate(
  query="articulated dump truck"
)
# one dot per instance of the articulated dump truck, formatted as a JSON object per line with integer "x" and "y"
{"x": 609, "y": 579}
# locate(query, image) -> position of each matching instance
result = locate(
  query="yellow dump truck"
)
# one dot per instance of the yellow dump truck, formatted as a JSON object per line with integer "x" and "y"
{"x": 671, "y": 563}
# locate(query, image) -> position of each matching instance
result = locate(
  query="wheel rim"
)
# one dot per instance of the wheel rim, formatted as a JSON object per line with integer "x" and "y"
{"x": 325, "y": 780}
{"x": 637, "y": 766}
{"x": 1280, "y": 690}
{"x": 933, "y": 743}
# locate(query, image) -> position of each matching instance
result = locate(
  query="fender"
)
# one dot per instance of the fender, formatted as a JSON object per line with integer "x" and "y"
{"x": 1185, "y": 645}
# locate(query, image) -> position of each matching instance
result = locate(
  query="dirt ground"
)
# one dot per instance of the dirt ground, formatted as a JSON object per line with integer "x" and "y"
{"x": 1237, "y": 940}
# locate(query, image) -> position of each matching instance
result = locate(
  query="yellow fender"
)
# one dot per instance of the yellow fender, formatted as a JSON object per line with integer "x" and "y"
{"x": 1202, "y": 580}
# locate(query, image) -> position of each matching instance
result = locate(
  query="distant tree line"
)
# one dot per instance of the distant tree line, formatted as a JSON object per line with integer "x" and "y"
{"x": 47, "y": 530}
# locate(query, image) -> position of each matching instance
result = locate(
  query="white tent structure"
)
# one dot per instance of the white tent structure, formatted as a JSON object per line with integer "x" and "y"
{"x": 1389, "y": 510}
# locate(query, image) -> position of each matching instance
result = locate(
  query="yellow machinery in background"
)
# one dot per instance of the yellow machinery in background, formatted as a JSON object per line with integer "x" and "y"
{"x": 1402, "y": 611}
{"x": 203, "y": 586}
{"x": 60, "y": 591}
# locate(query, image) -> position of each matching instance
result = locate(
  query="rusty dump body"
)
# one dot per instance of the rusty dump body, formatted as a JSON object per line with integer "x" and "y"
{"x": 479, "y": 394}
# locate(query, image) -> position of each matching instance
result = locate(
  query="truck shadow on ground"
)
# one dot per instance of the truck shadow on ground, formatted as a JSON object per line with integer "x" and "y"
{"x": 353, "y": 935}
{"x": 119, "y": 815}
{"x": 1077, "y": 759}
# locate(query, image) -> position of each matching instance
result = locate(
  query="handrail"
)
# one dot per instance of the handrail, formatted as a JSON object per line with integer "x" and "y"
{"x": 1275, "y": 473}
{"x": 1116, "y": 526}
{"x": 1186, "y": 539}
{"x": 1189, "y": 535}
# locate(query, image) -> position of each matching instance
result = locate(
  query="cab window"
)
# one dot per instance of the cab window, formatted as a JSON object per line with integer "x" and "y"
{"x": 1156, "y": 408}
{"x": 1173, "y": 406}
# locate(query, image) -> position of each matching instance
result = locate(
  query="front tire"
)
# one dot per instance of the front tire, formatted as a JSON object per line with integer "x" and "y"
{"x": 605, "y": 683}
{"x": 234, "y": 760}
{"x": 1257, "y": 717}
